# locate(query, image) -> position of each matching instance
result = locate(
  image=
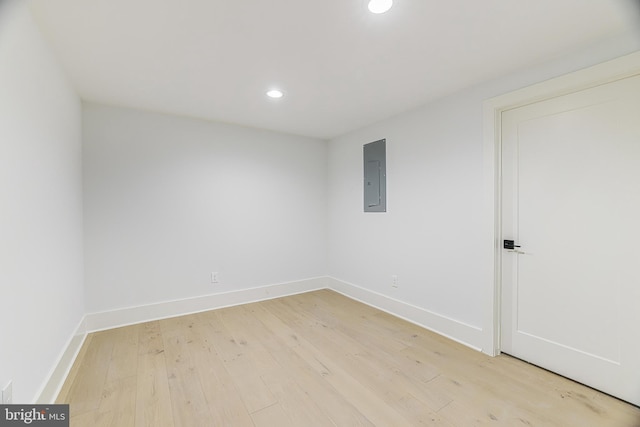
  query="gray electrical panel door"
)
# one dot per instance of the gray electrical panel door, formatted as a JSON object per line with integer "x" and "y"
{"x": 375, "y": 177}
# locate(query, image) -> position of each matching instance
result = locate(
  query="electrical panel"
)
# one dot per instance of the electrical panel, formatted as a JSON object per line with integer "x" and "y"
{"x": 375, "y": 176}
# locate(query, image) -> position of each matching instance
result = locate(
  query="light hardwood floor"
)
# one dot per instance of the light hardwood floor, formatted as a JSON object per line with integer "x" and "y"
{"x": 316, "y": 359}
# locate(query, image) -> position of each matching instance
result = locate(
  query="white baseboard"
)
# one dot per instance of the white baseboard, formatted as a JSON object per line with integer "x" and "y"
{"x": 469, "y": 335}
{"x": 52, "y": 386}
{"x": 93, "y": 322}
{"x": 132, "y": 315}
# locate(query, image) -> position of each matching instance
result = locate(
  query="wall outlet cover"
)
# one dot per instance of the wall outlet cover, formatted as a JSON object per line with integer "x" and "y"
{"x": 7, "y": 394}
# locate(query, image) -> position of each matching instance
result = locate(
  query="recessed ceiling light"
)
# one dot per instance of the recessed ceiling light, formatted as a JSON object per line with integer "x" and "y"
{"x": 275, "y": 93}
{"x": 380, "y": 6}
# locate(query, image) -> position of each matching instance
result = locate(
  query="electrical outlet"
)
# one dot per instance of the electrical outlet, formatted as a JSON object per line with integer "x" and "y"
{"x": 214, "y": 277}
{"x": 7, "y": 394}
{"x": 394, "y": 281}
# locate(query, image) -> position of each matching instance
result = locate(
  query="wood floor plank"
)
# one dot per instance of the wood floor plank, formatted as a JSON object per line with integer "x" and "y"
{"x": 295, "y": 402}
{"x": 236, "y": 351}
{"x": 225, "y": 400}
{"x": 415, "y": 410}
{"x": 342, "y": 379}
{"x": 315, "y": 359}
{"x": 124, "y": 354}
{"x": 91, "y": 419}
{"x": 152, "y": 393}
{"x": 338, "y": 409}
{"x": 86, "y": 390}
{"x": 271, "y": 416}
{"x": 189, "y": 404}
{"x": 371, "y": 368}
{"x": 118, "y": 404}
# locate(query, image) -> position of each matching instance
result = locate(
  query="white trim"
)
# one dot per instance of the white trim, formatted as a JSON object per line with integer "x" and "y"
{"x": 58, "y": 374}
{"x": 465, "y": 334}
{"x": 616, "y": 69}
{"x": 163, "y": 310}
{"x": 94, "y": 322}
{"x": 461, "y": 332}
{"x": 491, "y": 220}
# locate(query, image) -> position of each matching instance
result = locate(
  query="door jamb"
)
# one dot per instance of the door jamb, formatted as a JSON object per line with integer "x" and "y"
{"x": 616, "y": 69}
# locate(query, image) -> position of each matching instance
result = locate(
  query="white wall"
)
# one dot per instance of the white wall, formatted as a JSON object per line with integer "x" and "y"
{"x": 433, "y": 236}
{"x": 41, "y": 293}
{"x": 168, "y": 200}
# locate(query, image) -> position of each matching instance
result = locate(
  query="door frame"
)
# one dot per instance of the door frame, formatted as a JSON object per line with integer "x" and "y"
{"x": 616, "y": 69}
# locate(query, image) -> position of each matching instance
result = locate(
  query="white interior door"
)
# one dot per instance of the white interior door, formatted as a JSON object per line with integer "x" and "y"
{"x": 571, "y": 200}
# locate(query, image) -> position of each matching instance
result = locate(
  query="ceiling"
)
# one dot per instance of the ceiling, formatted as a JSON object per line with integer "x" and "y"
{"x": 340, "y": 66}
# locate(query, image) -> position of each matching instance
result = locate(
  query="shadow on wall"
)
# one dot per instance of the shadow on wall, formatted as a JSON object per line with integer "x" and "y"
{"x": 633, "y": 7}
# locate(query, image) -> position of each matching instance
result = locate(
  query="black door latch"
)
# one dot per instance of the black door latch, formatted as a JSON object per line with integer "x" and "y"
{"x": 510, "y": 244}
